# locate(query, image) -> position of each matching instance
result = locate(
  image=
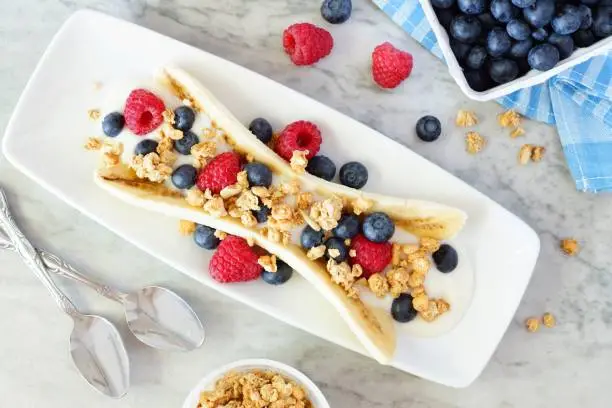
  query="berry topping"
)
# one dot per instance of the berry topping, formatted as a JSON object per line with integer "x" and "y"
{"x": 145, "y": 147}
{"x": 262, "y": 129}
{"x": 262, "y": 214}
{"x": 503, "y": 10}
{"x": 185, "y": 143}
{"x": 143, "y": 111}
{"x": 446, "y": 258}
{"x": 234, "y": 261}
{"x": 518, "y": 29}
{"x": 428, "y": 128}
{"x": 390, "y": 66}
{"x": 465, "y": 29}
{"x": 220, "y": 172}
{"x": 112, "y": 124}
{"x": 472, "y": 6}
{"x": 204, "y": 237}
{"x": 311, "y": 238}
{"x": 373, "y": 257}
{"x": 402, "y": 309}
{"x": 306, "y": 43}
{"x": 322, "y": 167}
{"x": 336, "y": 11}
{"x": 300, "y": 135}
{"x": 184, "y": 176}
{"x": 498, "y": 42}
{"x": 378, "y": 227}
{"x": 353, "y": 174}
{"x": 283, "y": 274}
{"x": 568, "y": 21}
{"x": 348, "y": 226}
{"x": 184, "y": 117}
{"x": 258, "y": 174}
{"x": 540, "y": 13}
{"x": 543, "y": 57}
{"x": 336, "y": 249}
{"x": 476, "y": 57}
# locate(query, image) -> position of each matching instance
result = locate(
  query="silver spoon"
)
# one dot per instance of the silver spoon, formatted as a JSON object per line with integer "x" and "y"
{"x": 157, "y": 316}
{"x": 95, "y": 345}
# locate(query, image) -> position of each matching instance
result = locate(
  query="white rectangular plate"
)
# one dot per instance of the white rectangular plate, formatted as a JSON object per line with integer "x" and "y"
{"x": 47, "y": 146}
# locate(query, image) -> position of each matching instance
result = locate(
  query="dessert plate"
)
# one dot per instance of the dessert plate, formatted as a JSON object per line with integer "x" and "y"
{"x": 500, "y": 249}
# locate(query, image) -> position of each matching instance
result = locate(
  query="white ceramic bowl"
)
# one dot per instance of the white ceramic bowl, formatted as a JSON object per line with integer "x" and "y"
{"x": 207, "y": 383}
{"x": 532, "y": 78}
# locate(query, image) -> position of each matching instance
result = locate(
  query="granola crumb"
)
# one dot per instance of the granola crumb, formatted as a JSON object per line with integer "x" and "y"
{"x": 474, "y": 142}
{"x": 209, "y": 133}
{"x": 186, "y": 227}
{"x": 352, "y": 253}
{"x": 250, "y": 241}
{"x": 94, "y": 114}
{"x": 510, "y": 118}
{"x": 466, "y": 118}
{"x": 260, "y": 191}
{"x": 378, "y": 285}
{"x": 532, "y": 324}
{"x": 268, "y": 262}
{"x": 290, "y": 188}
{"x": 215, "y": 207}
{"x": 93, "y": 143}
{"x": 248, "y": 219}
{"x": 111, "y": 159}
{"x": 570, "y": 246}
{"x": 420, "y": 302}
{"x": 443, "y": 305}
{"x": 421, "y": 265}
{"x": 326, "y": 213}
{"x": 429, "y": 245}
{"x": 242, "y": 179}
{"x": 220, "y": 234}
{"x": 333, "y": 252}
{"x": 537, "y": 154}
{"x": 316, "y": 252}
{"x": 549, "y": 320}
{"x": 151, "y": 167}
{"x": 247, "y": 201}
{"x": 250, "y": 158}
{"x": 395, "y": 254}
{"x": 410, "y": 248}
{"x": 304, "y": 200}
{"x": 167, "y": 130}
{"x": 519, "y": 131}
{"x": 525, "y": 153}
{"x": 431, "y": 313}
{"x": 230, "y": 191}
{"x": 361, "y": 205}
{"x": 299, "y": 161}
{"x": 195, "y": 197}
{"x": 204, "y": 150}
{"x": 168, "y": 116}
{"x": 347, "y": 242}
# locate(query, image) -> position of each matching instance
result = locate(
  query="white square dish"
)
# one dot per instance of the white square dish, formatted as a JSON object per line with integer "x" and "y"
{"x": 501, "y": 249}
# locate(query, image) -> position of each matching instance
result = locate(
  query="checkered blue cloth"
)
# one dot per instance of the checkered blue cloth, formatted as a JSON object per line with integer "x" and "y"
{"x": 578, "y": 102}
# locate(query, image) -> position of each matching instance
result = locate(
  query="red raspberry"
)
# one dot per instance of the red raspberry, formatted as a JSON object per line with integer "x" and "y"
{"x": 143, "y": 111}
{"x": 373, "y": 257}
{"x": 300, "y": 135}
{"x": 234, "y": 261}
{"x": 390, "y": 66}
{"x": 220, "y": 172}
{"x": 306, "y": 43}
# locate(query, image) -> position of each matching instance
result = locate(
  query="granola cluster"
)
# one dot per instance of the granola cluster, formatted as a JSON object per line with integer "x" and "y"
{"x": 529, "y": 152}
{"x": 532, "y": 324}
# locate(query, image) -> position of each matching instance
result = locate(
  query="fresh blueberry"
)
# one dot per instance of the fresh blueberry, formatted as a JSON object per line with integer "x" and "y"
{"x": 262, "y": 129}
{"x": 518, "y": 29}
{"x": 586, "y": 17}
{"x": 336, "y": 243}
{"x": 442, "y": 4}
{"x": 428, "y": 128}
{"x": 112, "y": 124}
{"x": 478, "y": 79}
{"x": 445, "y": 16}
{"x": 541, "y": 34}
{"x": 460, "y": 50}
{"x": 145, "y": 147}
{"x": 402, "y": 309}
{"x": 283, "y": 274}
{"x": 311, "y": 238}
{"x": 262, "y": 214}
{"x": 487, "y": 21}
{"x": 543, "y": 57}
{"x": 498, "y": 42}
{"x": 184, "y": 176}
{"x": 602, "y": 21}
{"x": 523, "y": 3}
{"x": 520, "y": 49}
{"x": 258, "y": 174}
{"x": 503, "y": 10}
{"x": 322, "y": 167}
{"x": 540, "y": 13}
{"x": 476, "y": 57}
{"x": 564, "y": 43}
{"x": 336, "y": 11}
{"x": 348, "y": 227}
{"x": 465, "y": 29}
{"x": 184, "y": 117}
{"x": 472, "y": 6}
{"x": 568, "y": 21}
{"x": 446, "y": 258}
{"x": 378, "y": 227}
{"x": 353, "y": 174}
{"x": 184, "y": 144}
{"x": 503, "y": 70}
{"x": 584, "y": 38}
{"x": 590, "y": 2}
{"x": 205, "y": 237}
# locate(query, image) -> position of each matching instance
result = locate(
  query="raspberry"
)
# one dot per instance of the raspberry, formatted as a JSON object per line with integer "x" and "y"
{"x": 390, "y": 66}
{"x": 143, "y": 111}
{"x": 306, "y": 43}
{"x": 220, "y": 172}
{"x": 300, "y": 135}
{"x": 372, "y": 257}
{"x": 234, "y": 261}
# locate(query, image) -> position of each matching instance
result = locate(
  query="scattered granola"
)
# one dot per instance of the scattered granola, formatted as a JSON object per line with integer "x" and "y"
{"x": 510, "y": 118}
{"x": 342, "y": 274}
{"x": 421, "y": 265}
{"x": 290, "y": 188}
{"x": 395, "y": 254}
{"x": 378, "y": 285}
{"x": 150, "y": 167}
{"x": 316, "y": 252}
{"x": 429, "y": 245}
{"x": 260, "y": 191}
{"x": 398, "y": 281}
{"x": 230, "y": 191}
{"x": 352, "y": 253}
{"x": 525, "y": 153}
{"x": 519, "y": 131}
{"x": 195, "y": 197}
{"x": 215, "y": 207}
{"x": 409, "y": 249}
{"x": 281, "y": 212}
{"x": 421, "y": 303}
{"x": 304, "y": 200}
{"x": 94, "y": 114}
{"x": 537, "y": 154}
{"x": 168, "y": 116}
{"x": 204, "y": 150}
{"x": 532, "y": 324}
{"x": 570, "y": 246}
{"x": 268, "y": 262}
{"x": 347, "y": 242}
{"x": 186, "y": 227}
{"x": 549, "y": 320}
{"x": 93, "y": 143}
{"x": 466, "y": 118}
{"x": 434, "y": 310}
{"x": 326, "y": 213}
{"x": 299, "y": 161}
{"x": 247, "y": 201}
{"x": 220, "y": 234}
{"x": 474, "y": 142}
{"x": 250, "y": 241}
{"x": 361, "y": 205}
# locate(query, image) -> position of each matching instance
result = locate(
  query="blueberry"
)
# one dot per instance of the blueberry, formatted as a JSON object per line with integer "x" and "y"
{"x": 446, "y": 258}
{"x": 589, "y": 2}
{"x": 322, "y": 167}
{"x": 487, "y": 21}
{"x": 520, "y": 49}
{"x": 541, "y": 34}
{"x": 402, "y": 309}
{"x": 336, "y": 11}
{"x": 568, "y": 21}
{"x": 543, "y": 57}
{"x": 518, "y": 29}
{"x": 583, "y": 38}
{"x": 498, "y": 42}
{"x": 145, "y": 147}
{"x": 442, "y": 4}
{"x": 503, "y": 10}
{"x": 428, "y": 128}
{"x": 503, "y": 70}
{"x": 184, "y": 144}
{"x": 205, "y": 237}
{"x": 311, "y": 238}
{"x": 353, "y": 174}
{"x": 262, "y": 214}
{"x": 478, "y": 80}
{"x": 564, "y": 43}
{"x": 258, "y": 174}
{"x": 476, "y": 57}
{"x": 378, "y": 227}
{"x": 184, "y": 176}
{"x": 262, "y": 129}
{"x": 523, "y": 3}
{"x": 586, "y": 15}
{"x": 283, "y": 274}
{"x": 445, "y": 16}
{"x": 540, "y": 14}
{"x": 184, "y": 117}
{"x": 336, "y": 243}
{"x": 112, "y": 124}
{"x": 602, "y": 21}
{"x": 460, "y": 50}
{"x": 465, "y": 29}
{"x": 348, "y": 227}
{"x": 472, "y": 6}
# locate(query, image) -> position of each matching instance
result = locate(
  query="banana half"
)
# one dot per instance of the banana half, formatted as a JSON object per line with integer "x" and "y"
{"x": 373, "y": 327}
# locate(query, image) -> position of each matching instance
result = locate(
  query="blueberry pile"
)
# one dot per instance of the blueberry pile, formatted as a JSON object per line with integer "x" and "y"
{"x": 497, "y": 41}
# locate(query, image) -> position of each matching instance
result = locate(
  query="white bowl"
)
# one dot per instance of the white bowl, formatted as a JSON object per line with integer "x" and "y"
{"x": 532, "y": 78}
{"x": 207, "y": 383}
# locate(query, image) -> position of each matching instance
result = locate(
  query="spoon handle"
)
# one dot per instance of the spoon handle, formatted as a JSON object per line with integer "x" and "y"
{"x": 31, "y": 258}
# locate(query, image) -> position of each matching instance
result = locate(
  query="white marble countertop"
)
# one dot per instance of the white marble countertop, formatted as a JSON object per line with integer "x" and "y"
{"x": 564, "y": 367}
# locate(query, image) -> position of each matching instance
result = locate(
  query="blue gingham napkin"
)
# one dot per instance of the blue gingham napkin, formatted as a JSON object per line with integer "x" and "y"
{"x": 578, "y": 102}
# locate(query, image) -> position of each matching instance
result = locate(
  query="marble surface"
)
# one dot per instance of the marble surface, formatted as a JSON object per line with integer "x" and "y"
{"x": 563, "y": 367}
